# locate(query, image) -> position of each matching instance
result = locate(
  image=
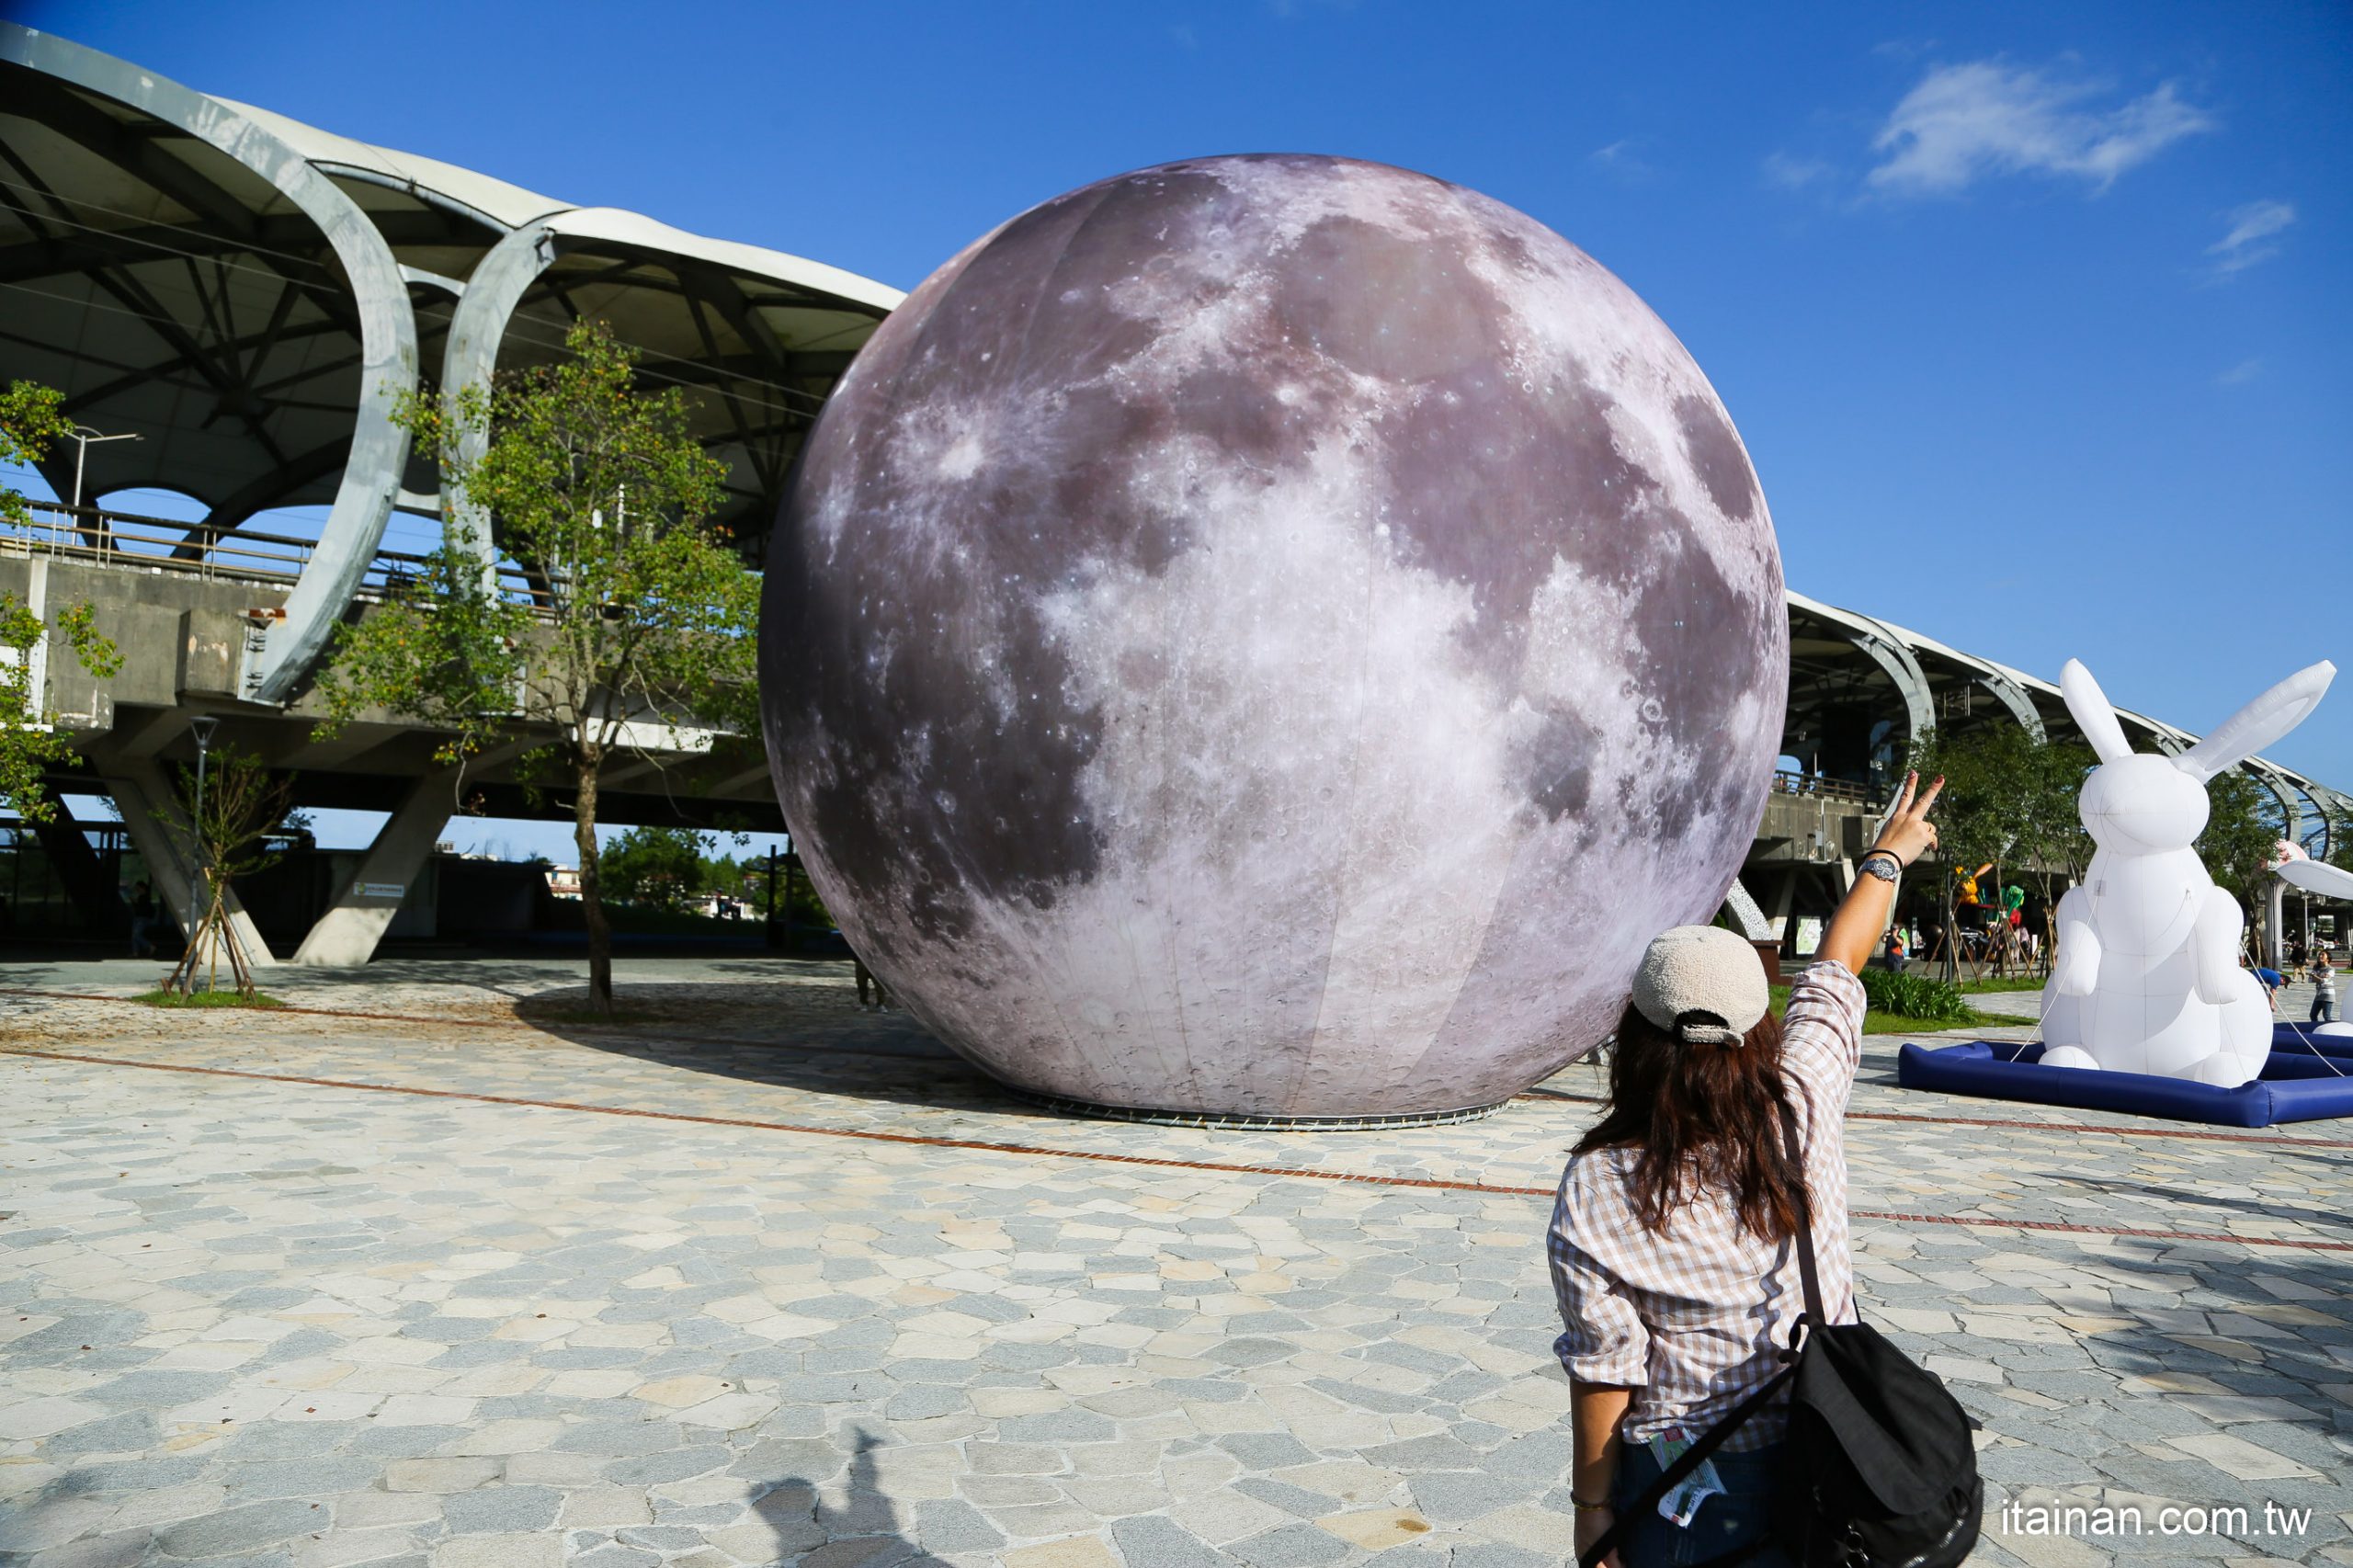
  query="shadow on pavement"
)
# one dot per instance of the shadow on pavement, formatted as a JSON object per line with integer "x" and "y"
{"x": 813, "y": 1039}
{"x": 866, "y": 1531}
{"x": 2331, "y": 1223}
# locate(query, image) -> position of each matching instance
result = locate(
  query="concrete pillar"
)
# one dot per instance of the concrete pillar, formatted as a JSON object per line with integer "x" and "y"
{"x": 158, "y": 829}
{"x": 2275, "y": 925}
{"x": 347, "y": 935}
{"x": 1784, "y": 897}
{"x": 83, "y": 872}
{"x": 1746, "y": 915}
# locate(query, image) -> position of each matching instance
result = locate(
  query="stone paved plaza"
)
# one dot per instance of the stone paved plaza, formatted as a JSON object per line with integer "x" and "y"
{"x": 756, "y": 1278}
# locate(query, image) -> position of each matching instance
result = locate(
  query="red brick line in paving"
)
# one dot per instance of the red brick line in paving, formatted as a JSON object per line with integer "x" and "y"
{"x": 623, "y": 1029}
{"x": 1037, "y": 1151}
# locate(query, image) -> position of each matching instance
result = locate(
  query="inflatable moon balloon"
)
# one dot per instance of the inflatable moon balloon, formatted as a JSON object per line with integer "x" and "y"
{"x": 1271, "y": 636}
{"x": 2147, "y": 978}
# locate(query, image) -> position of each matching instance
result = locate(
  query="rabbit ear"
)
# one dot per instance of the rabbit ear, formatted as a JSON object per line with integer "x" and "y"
{"x": 2093, "y": 715}
{"x": 2312, "y": 876}
{"x": 2258, "y": 723}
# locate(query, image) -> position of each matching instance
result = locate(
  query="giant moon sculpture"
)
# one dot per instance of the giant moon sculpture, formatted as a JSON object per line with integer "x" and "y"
{"x": 1272, "y": 637}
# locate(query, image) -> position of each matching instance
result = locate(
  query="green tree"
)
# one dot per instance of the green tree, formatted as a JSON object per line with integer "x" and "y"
{"x": 723, "y": 876}
{"x": 2010, "y": 799}
{"x": 2242, "y": 833}
{"x": 1980, "y": 815}
{"x": 232, "y": 829}
{"x": 640, "y": 614}
{"x": 32, "y": 422}
{"x": 2052, "y": 841}
{"x": 655, "y": 867}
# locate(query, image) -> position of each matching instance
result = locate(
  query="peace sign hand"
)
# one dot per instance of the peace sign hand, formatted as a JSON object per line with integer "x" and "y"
{"x": 1909, "y": 834}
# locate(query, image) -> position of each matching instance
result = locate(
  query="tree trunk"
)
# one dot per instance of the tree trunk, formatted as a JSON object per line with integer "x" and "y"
{"x": 592, "y": 894}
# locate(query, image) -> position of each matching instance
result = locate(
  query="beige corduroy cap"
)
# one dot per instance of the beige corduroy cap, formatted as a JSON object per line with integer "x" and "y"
{"x": 1702, "y": 969}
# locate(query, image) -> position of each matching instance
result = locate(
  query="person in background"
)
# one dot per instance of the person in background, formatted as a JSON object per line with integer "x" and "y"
{"x": 1672, "y": 1243}
{"x": 2272, "y": 980}
{"x": 142, "y": 920}
{"x": 2323, "y": 990}
{"x": 865, "y": 977}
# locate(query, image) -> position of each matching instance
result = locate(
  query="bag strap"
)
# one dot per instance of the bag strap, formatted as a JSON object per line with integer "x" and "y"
{"x": 1684, "y": 1463}
{"x": 1806, "y": 1274}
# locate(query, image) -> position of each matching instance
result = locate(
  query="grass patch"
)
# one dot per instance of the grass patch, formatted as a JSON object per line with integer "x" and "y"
{"x": 1915, "y": 996}
{"x": 2008, "y": 983}
{"x": 207, "y": 999}
{"x": 1878, "y": 1021}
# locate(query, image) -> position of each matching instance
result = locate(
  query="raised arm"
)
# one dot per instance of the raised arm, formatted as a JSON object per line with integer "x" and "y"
{"x": 1862, "y": 919}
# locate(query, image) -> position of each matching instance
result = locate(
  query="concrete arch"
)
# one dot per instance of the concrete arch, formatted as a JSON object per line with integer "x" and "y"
{"x": 1890, "y": 651}
{"x": 507, "y": 271}
{"x": 2013, "y": 696}
{"x": 2336, "y": 816}
{"x": 469, "y": 355}
{"x": 363, "y": 502}
{"x": 2004, "y": 686}
{"x": 2283, "y": 790}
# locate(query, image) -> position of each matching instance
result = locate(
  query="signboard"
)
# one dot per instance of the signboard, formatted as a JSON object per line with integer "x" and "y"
{"x": 380, "y": 890}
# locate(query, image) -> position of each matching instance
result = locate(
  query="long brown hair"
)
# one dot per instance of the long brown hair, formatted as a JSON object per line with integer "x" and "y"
{"x": 1701, "y": 1118}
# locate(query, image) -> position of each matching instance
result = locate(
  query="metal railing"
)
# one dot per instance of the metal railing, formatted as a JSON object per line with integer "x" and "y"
{"x": 129, "y": 542}
{"x": 1813, "y": 787}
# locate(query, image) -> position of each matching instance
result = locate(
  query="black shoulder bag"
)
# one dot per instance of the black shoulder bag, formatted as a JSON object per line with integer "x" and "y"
{"x": 1879, "y": 1471}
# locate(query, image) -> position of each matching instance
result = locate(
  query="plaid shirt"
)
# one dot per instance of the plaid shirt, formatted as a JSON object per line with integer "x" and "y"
{"x": 1693, "y": 1319}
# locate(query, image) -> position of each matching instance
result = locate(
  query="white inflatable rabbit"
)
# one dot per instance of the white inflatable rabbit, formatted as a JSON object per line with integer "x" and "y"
{"x": 2147, "y": 978}
{"x": 2317, "y": 876}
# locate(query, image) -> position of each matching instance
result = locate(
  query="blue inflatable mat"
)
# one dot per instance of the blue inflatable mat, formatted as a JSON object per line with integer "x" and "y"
{"x": 2303, "y": 1081}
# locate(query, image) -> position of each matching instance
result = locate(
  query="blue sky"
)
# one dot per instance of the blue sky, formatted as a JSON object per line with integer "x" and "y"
{"x": 2035, "y": 318}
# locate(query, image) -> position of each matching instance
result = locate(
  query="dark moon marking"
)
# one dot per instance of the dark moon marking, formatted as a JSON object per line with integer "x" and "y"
{"x": 1717, "y": 454}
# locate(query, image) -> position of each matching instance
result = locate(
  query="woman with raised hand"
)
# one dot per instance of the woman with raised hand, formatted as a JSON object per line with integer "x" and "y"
{"x": 1672, "y": 1243}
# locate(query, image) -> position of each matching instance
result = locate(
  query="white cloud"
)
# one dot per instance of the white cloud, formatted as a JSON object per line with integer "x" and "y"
{"x": 1623, "y": 159}
{"x": 1792, "y": 172}
{"x": 1986, "y": 118}
{"x": 2250, "y": 240}
{"x": 2241, "y": 374}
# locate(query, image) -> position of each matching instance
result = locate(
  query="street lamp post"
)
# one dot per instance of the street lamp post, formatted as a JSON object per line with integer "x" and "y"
{"x": 202, "y": 726}
{"x": 83, "y": 439}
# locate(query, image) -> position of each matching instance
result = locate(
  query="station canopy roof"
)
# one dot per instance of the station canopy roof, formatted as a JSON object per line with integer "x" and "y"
{"x": 175, "y": 292}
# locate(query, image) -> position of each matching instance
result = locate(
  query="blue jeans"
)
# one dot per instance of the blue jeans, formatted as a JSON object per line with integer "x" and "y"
{"x": 1737, "y": 1518}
